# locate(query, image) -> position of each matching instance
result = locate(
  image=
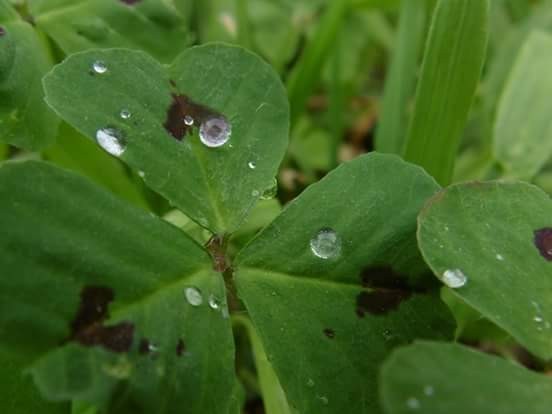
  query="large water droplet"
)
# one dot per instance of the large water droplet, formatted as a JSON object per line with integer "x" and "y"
{"x": 214, "y": 302}
{"x": 454, "y": 278}
{"x": 188, "y": 120}
{"x": 413, "y": 403}
{"x": 215, "y": 132}
{"x": 125, "y": 114}
{"x": 99, "y": 67}
{"x": 111, "y": 141}
{"x": 193, "y": 296}
{"x": 326, "y": 244}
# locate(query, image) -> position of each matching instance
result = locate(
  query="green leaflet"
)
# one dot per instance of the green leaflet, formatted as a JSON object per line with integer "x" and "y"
{"x": 25, "y": 119}
{"x": 312, "y": 314}
{"x": 493, "y": 233}
{"x": 451, "y": 68}
{"x": 437, "y": 378}
{"x": 214, "y": 186}
{"x": 97, "y": 262}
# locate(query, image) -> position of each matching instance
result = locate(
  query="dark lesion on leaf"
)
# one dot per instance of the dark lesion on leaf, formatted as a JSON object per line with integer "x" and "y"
{"x": 543, "y": 242}
{"x": 388, "y": 289}
{"x": 2, "y": 31}
{"x": 182, "y": 107}
{"x": 88, "y": 329}
{"x": 180, "y": 348}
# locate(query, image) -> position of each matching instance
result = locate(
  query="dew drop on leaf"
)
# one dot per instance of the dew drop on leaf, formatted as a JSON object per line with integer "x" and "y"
{"x": 454, "y": 278}
{"x": 125, "y": 114}
{"x": 413, "y": 404}
{"x": 251, "y": 165}
{"x": 310, "y": 383}
{"x": 326, "y": 244}
{"x": 193, "y": 296}
{"x": 255, "y": 193}
{"x": 141, "y": 174}
{"x": 188, "y": 120}
{"x": 499, "y": 257}
{"x": 323, "y": 399}
{"x": 215, "y": 132}
{"x": 214, "y": 303}
{"x": 428, "y": 390}
{"x": 111, "y": 141}
{"x": 99, "y": 67}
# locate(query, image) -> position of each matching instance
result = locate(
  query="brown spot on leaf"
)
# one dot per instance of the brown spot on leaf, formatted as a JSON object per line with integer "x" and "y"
{"x": 2, "y": 31}
{"x": 87, "y": 328}
{"x": 543, "y": 241}
{"x": 180, "y": 348}
{"x": 330, "y": 333}
{"x": 379, "y": 302}
{"x": 182, "y": 107}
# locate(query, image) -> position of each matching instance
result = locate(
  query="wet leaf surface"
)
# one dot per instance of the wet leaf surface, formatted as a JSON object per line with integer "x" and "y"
{"x": 214, "y": 186}
{"x": 324, "y": 328}
{"x": 495, "y": 234}
{"x": 109, "y": 275}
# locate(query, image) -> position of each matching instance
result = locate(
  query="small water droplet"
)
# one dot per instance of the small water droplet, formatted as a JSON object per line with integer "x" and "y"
{"x": 255, "y": 193}
{"x": 428, "y": 390}
{"x": 310, "y": 383}
{"x": 193, "y": 296}
{"x": 387, "y": 334}
{"x": 326, "y": 244}
{"x": 413, "y": 403}
{"x": 99, "y": 67}
{"x": 188, "y": 120}
{"x": 323, "y": 399}
{"x": 125, "y": 114}
{"x": 152, "y": 348}
{"x": 111, "y": 141}
{"x": 538, "y": 319}
{"x": 215, "y": 132}
{"x": 499, "y": 257}
{"x": 271, "y": 191}
{"x": 454, "y": 278}
{"x": 141, "y": 174}
{"x": 214, "y": 303}
{"x": 251, "y": 165}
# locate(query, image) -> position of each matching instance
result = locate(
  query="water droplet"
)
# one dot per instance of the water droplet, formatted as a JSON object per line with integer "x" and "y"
{"x": 310, "y": 383}
{"x": 499, "y": 257}
{"x": 255, "y": 193}
{"x": 193, "y": 296}
{"x": 271, "y": 191}
{"x": 323, "y": 399}
{"x": 538, "y": 319}
{"x": 454, "y": 278}
{"x": 251, "y": 165}
{"x": 111, "y": 141}
{"x": 413, "y": 403}
{"x": 326, "y": 244}
{"x": 99, "y": 67}
{"x": 428, "y": 390}
{"x": 188, "y": 120}
{"x": 141, "y": 174}
{"x": 387, "y": 334}
{"x": 152, "y": 348}
{"x": 125, "y": 114}
{"x": 214, "y": 303}
{"x": 215, "y": 132}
